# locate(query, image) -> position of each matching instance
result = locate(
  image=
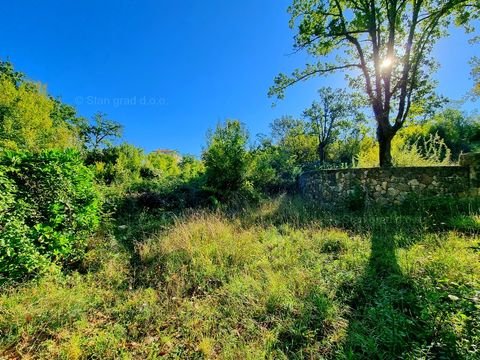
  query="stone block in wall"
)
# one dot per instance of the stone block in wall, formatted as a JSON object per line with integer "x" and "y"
{"x": 472, "y": 161}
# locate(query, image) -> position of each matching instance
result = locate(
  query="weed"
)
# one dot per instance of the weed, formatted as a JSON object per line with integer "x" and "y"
{"x": 279, "y": 280}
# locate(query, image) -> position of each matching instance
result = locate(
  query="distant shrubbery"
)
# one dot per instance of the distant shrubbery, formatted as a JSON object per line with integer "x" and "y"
{"x": 48, "y": 207}
{"x": 134, "y": 181}
{"x": 233, "y": 169}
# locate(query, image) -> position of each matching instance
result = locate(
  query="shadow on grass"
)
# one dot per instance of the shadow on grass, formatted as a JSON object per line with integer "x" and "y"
{"x": 134, "y": 227}
{"x": 391, "y": 318}
{"x": 384, "y": 306}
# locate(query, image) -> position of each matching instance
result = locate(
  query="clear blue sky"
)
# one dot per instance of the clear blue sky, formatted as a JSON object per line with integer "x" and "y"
{"x": 169, "y": 70}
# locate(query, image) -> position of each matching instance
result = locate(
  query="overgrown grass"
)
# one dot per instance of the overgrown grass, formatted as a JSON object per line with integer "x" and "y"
{"x": 282, "y": 280}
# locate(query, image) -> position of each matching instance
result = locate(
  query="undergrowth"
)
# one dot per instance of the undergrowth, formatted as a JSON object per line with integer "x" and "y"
{"x": 282, "y": 280}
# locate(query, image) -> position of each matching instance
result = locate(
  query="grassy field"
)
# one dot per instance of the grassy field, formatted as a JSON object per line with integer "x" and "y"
{"x": 278, "y": 281}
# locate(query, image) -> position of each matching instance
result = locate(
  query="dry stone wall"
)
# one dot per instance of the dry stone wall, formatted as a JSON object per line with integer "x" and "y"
{"x": 391, "y": 186}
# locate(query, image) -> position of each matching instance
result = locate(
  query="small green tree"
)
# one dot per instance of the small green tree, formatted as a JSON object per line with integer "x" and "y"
{"x": 273, "y": 168}
{"x": 101, "y": 132}
{"x": 296, "y": 138}
{"x": 329, "y": 116}
{"x": 226, "y": 158}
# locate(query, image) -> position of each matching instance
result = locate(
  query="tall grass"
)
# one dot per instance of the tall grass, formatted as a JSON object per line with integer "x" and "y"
{"x": 429, "y": 150}
{"x": 282, "y": 280}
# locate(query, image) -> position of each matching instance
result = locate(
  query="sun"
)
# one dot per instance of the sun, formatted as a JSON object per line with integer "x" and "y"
{"x": 386, "y": 63}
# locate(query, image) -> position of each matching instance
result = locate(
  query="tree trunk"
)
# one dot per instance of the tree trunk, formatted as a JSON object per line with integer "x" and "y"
{"x": 385, "y": 136}
{"x": 321, "y": 153}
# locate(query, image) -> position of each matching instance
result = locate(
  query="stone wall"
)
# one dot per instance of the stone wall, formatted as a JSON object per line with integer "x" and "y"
{"x": 391, "y": 186}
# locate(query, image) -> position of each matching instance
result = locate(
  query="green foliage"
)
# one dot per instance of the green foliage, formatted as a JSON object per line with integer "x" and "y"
{"x": 132, "y": 181}
{"x": 273, "y": 169}
{"x": 329, "y": 135}
{"x": 476, "y": 75}
{"x": 190, "y": 168}
{"x": 296, "y": 138}
{"x": 100, "y": 133}
{"x": 385, "y": 48}
{"x": 226, "y": 159}
{"x": 125, "y": 164}
{"x": 165, "y": 164}
{"x": 328, "y": 117}
{"x": 408, "y": 149}
{"x": 30, "y": 119}
{"x": 283, "y": 280}
{"x": 343, "y": 152}
{"x": 49, "y": 207}
{"x": 118, "y": 165}
{"x": 8, "y": 72}
{"x": 461, "y": 133}
{"x": 439, "y": 139}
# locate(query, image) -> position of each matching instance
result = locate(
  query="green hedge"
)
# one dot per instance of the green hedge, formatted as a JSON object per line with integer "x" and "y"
{"x": 48, "y": 208}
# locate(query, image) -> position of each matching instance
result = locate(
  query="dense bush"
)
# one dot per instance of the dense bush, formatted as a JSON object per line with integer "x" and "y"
{"x": 226, "y": 159}
{"x": 117, "y": 165}
{"x": 167, "y": 194}
{"x": 48, "y": 206}
{"x": 273, "y": 169}
{"x": 460, "y": 131}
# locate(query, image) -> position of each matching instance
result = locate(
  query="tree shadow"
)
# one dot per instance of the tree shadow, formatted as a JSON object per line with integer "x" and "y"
{"x": 392, "y": 315}
{"x": 386, "y": 319}
{"x": 382, "y": 298}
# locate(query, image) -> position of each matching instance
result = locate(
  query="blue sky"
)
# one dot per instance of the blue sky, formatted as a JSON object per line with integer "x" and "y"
{"x": 170, "y": 70}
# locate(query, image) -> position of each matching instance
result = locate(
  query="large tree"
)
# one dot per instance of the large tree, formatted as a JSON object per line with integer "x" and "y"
{"x": 385, "y": 46}
{"x": 29, "y": 119}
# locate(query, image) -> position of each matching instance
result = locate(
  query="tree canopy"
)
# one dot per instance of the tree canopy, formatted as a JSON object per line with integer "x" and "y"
{"x": 101, "y": 132}
{"x": 385, "y": 47}
{"x": 331, "y": 114}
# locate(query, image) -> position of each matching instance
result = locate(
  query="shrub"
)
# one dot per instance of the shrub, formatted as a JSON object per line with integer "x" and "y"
{"x": 460, "y": 131}
{"x": 163, "y": 194}
{"x": 428, "y": 150}
{"x": 273, "y": 169}
{"x": 226, "y": 159}
{"x": 48, "y": 207}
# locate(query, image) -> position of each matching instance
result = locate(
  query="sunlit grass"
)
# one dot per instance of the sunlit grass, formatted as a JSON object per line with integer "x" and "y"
{"x": 282, "y": 280}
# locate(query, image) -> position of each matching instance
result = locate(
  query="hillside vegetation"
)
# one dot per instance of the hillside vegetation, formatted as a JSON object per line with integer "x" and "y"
{"x": 111, "y": 252}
